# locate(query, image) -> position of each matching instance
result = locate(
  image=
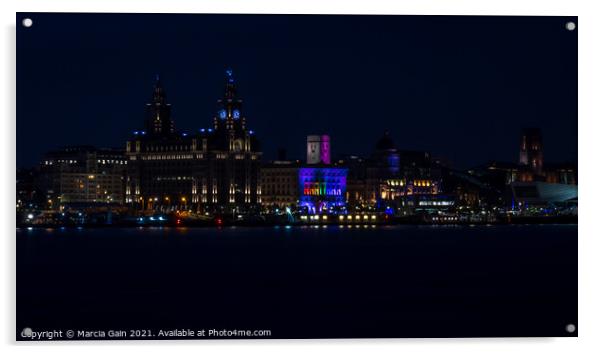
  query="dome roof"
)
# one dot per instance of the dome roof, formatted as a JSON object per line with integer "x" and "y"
{"x": 385, "y": 142}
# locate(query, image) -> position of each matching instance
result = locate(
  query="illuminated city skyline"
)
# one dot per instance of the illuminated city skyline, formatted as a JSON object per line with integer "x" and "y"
{"x": 433, "y": 90}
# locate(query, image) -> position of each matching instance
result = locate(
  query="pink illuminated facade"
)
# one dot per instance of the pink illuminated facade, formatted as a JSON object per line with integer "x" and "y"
{"x": 318, "y": 149}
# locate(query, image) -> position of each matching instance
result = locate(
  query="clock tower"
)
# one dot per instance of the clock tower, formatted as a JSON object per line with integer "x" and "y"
{"x": 229, "y": 115}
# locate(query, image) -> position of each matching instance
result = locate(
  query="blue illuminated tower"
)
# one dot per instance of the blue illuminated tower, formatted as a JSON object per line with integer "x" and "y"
{"x": 229, "y": 113}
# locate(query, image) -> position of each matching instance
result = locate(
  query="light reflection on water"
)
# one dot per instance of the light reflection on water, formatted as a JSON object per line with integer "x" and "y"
{"x": 372, "y": 229}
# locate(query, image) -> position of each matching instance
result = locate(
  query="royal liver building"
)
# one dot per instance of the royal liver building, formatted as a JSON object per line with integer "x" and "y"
{"x": 215, "y": 169}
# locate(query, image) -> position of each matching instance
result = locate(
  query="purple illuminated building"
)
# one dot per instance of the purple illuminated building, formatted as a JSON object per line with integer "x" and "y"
{"x": 322, "y": 186}
{"x": 322, "y": 189}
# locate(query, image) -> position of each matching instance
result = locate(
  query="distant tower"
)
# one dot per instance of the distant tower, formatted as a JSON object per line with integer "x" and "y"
{"x": 318, "y": 149}
{"x": 158, "y": 113}
{"x": 531, "y": 149}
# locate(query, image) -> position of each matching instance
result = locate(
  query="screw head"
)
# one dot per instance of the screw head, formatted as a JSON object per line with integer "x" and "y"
{"x": 570, "y": 328}
{"x": 570, "y": 26}
{"x": 27, "y": 332}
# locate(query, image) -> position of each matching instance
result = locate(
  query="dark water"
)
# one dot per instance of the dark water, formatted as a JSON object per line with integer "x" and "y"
{"x": 402, "y": 281}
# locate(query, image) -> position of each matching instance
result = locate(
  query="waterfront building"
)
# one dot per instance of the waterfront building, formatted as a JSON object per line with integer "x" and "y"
{"x": 529, "y": 167}
{"x": 322, "y": 189}
{"x": 408, "y": 195}
{"x": 367, "y": 175}
{"x": 383, "y": 164}
{"x": 215, "y": 169}
{"x": 471, "y": 193}
{"x": 529, "y": 180}
{"x": 542, "y": 195}
{"x": 322, "y": 186}
{"x": 78, "y": 175}
{"x": 29, "y": 195}
{"x": 280, "y": 184}
{"x": 563, "y": 173}
{"x": 358, "y": 195}
{"x": 392, "y": 179}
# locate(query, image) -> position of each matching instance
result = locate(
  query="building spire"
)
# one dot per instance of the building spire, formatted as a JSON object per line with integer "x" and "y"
{"x": 158, "y": 120}
{"x": 230, "y": 86}
{"x": 158, "y": 91}
{"x": 230, "y": 75}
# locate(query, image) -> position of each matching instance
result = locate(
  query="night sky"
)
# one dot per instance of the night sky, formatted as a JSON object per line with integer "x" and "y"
{"x": 460, "y": 87}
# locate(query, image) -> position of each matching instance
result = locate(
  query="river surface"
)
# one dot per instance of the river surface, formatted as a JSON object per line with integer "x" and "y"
{"x": 302, "y": 282}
